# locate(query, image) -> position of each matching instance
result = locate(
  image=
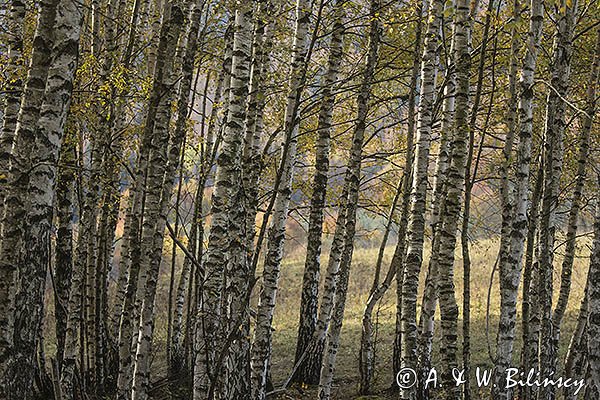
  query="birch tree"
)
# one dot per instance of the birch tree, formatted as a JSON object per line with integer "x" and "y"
{"x": 262, "y": 336}
{"x": 13, "y": 204}
{"x": 593, "y": 331}
{"x": 12, "y": 100}
{"x": 511, "y": 275}
{"x": 352, "y": 183}
{"x": 155, "y": 141}
{"x": 554, "y": 152}
{"x": 576, "y": 200}
{"x": 416, "y": 221}
{"x": 47, "y": 138}
{"x": 312, "y": 265}
{"x": 223, "y": 202}
{"x": 454, "y": 198}
{"x": 400, "y": 250}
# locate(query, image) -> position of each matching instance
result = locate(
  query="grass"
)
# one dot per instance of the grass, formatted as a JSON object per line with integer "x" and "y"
{"x": 483, "y": 255}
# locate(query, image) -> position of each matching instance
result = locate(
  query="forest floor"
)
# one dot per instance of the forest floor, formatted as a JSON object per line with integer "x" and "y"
{"x": 346, "y": 379}
{"x": 346, "y": 384}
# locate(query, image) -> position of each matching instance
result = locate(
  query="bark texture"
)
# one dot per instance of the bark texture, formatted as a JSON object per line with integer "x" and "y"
{"x": 553, "y": 164}
{"x": 312, "y": 264}
{"x": 416, "y": 221}
{"x": 451, "y": 205}
{"x": 225, "y": 234}
{"x": 276, "y": 236}
{"x": 47, "y": 138}
{"x": 511, "y": 275}
{"x": 593, "y": 314}
{"x": 352, "y": 183}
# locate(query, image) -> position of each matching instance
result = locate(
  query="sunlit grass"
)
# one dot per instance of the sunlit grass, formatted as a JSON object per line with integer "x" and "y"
{"x": 483, "y": 256}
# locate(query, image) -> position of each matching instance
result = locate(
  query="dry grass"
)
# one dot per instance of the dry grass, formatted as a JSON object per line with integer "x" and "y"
{"x": 483, "y": 255}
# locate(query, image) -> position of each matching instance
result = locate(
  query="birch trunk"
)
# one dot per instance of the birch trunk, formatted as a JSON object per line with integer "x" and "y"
{"x": 352, "y": 183}
{"x": 311, "y": 277}
{"x": 532, "y": 228}
{"x": 554, "y": 150}
{"x": 181, "y": 337}
{"x": 582, "y": 160}
{"x": 146, "y": 195}
{"x": 209, "y": 328}
{"x": 400, "y": 250}
{"x": 430, "y": 294}
{"x": 593, "y": 307}
{"x": 261, "y": 348}
{"x": 453, "y": 201}
{"x": 12, "y": 206}
{"x": 309, "y": 364}
{"x": 511, "y": 275}
{"x": 163, "y": 160}
{"x": 63, "y": 269}
{"x": 47, "y": 137}
{"x": 13, "y": 90}
{"x": 507, "y": 186}
{"x": 366, "y": 361}
{"x": 576, "y": 359}
{"x": 416, "y": 221}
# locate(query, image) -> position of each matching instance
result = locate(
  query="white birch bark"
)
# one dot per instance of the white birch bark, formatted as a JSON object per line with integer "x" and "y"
{"x": 13, "y": 89}
{"x": 164, "y": 162}
{"x": 582, "y": 162}
{"x": 352, "y": 182}
{"x": 554, "y": 151}
{"x": 39, "y": 204}
{"x": 262, "y": 336}
{"x": 400, "y": 250}
{"x": 430, "y": 294}
{"x": 209, "y": 328}
{"x": 311, "y": 277}
{"x": 146, "y": 193}
{"x": 416, "y": 222}
{"x": 511, "y": 275}
{"x": 12, "y": 206}
{"x": 451, "y": 208}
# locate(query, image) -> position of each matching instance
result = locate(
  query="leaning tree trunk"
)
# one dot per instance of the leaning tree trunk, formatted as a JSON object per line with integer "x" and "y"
{"x": 576, "y": 359}
{"x": 309, "y": 363}
{"x": 163, "y": 164}
{"x": 310, "y": 280}
{"x": 352, "y": 182}
{"x": 181, "y": 339}
{"x": 582, "y": 162}
{"x": 12, "y": 207}
{"x": 554, "y": 151}
{"x": 208, "y": 326}
{"x": 416, "y": 221}
{"x": 261, "y": 348}
{"x": 512, "y": 273}
{"x": 593, "y": 308}
{"x": 157, "y": 122}
{"x": 34, "y": 257}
